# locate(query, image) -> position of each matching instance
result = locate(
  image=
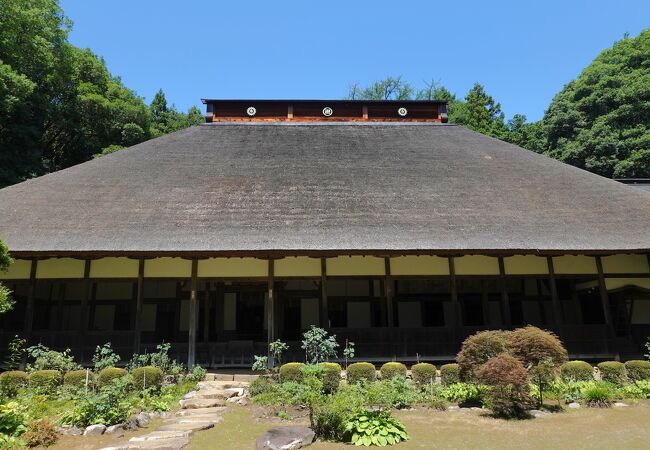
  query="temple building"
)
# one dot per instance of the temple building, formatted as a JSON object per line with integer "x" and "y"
{"x": 376, "y": 220}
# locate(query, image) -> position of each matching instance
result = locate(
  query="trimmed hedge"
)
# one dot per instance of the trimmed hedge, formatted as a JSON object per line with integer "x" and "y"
{"x": 361, "y": 371}
{"x": 392, "y": 369}
{"x": 109, "y": 374}
{"x": 44, "y": 380}
{"x": 449, "y": 374}
{"x": 291, "y": 372}
{"x": 638, "y": 370}
{"x": 78, "y": 378}
{"x": 613, "y": 372}
{"x": 11, "y": 381}
{"x": 577, "y": 371}
{"x": 331, "y": 377}
{"x": 423, "y": 373}
{"x": 146, "y": 377}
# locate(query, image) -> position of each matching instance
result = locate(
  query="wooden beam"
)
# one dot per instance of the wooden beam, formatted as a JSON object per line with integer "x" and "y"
{"x": 557, "y": 307}
{"x": 604, "y": 297}
{"x": 324, "y": 308}
{"x": 137, "y": 319}
{"x": 388, "y": 294}
{"x": 505, "y": 300}
{"x": 457, "y": 319}
{"x": 270, "y": 317}
{"x": 191, "y": 340}
{"x": 29, "y": 312}
{"x": 83, "y": 328}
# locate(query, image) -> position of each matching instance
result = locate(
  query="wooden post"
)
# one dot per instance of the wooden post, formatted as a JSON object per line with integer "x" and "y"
{"x": 270, "y": 319}
{"x": 290, "y": 112}
{"x": 457, "y": 319}
{"x": 364, "y": 112}
{"x": 137, "y": 319}
{"x": 604, "y": 298}
{"x": 29, "y": 311}
{"x": 388, "y": 293}
{"x": 83, "y": 329}
{"x": 505, "y": 300}
{"x": 324, "y": 309}
{"x": 191, "y": 341}
{"x": 557, "y": 308}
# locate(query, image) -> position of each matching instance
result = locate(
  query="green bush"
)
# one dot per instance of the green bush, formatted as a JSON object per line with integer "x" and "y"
{"x": 11, "y": 381}
{"x": 46, "y": 359}
{"x": 147, "y": 377}
{"x": 361, "y": 371}
{"x": 291, "y": 372}
{"x": 613, "y": 372}
{"x": 261, "y": 385}
{"x": 577, "y": 371}
{"x": 330, "y": 417}
{"x": 197, "y": 374}
{"x": 375, "y": 428}
{"x": 45, "y": 381}
{"x": 331, "y": 377}
{"x": 464, "y": 393}
{"x": 478, "y": 348}
{"x": 109, "y": 374}
{"x": 423, "y": 373}
{"x": 13, "y": 419}
{"x": 597, "y": 395}
{"x": 394, "y": 392}
{"x": 109, "y": 406}
{"x": 638, "y": 370}
{"x": 449, "y": 374}
{"x": 77, "y": 378}
{"x": 392, "y": 369}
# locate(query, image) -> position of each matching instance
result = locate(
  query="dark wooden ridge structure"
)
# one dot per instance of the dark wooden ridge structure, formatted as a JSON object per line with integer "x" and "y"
{"x": 325, "y": 111}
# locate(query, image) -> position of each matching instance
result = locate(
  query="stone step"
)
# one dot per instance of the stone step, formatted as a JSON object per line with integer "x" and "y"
{"x": 194, "y": 403}
{"x": 215, "y": 419}
{"x": 222, "y": 384}
{"x": 201, "y": 411}
{"x": 158, "y": 435}
{"x": 215, "y": 393}
{"x": 186, "y": 426}
{"x": 158, "y": 444}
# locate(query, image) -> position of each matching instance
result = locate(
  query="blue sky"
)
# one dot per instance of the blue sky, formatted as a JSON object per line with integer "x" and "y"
{"x": 523, "y": 52}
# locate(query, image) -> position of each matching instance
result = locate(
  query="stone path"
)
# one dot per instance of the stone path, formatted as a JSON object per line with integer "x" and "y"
{"x": 200, "y": 410}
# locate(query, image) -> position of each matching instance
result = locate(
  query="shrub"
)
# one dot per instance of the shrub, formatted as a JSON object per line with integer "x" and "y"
{"x": 464, "y": 393}
{"x": 318, "y": 345}
{"x": 13, "y": 419}
{"x": 375, "y": 428}
{"x": 109, "y": 406}
{"x": 160, "y": 358}
{"x": 577, "y": 371}
{"x": 15, "y": 352}
{"x": 613, "y": 372}
{"x": 104, "y": 357}
{"x": 77, "y": 378}
{"x": 11, "y": 381}
{"x": 45, "y": 381}
{"x": 395, "y": 392}
{"x": 261, "y": 385}
{"x": 331, "y": 417}
{"x": 46, "y": 359}
{"x": 478, "y": 348}
{"x": 197, "y": 374}
{"x": 638, "y": 370}
{"x": 147, "y": 377}
{"x": 361, "y": 371}
{"x": 331, "y": 377}
{"x": 40, "y": 433}
{"x": 107, "y": 375}
{"x": 449, "y": 374}
{"x": 532, "y": 345}
{"x": 423, "y": 373}
{"x": 509, "y": 381}
{"x": 291, "y": 372}
{"x": 597, "y": 395}
{"x": 392, "y": 369}
{"x": 542, "y": 375}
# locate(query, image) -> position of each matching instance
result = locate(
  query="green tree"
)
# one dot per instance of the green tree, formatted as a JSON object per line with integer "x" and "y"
{"x": 480, "y": 112}
{"x": 6, "y": 302}
{"x": 601, "y": 120}
{"x": 390, "y": 88}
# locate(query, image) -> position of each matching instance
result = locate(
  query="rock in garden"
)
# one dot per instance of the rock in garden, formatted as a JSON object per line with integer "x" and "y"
{"x": 131, "y": 424}
{"x": 115, "y": 429}
{"x": 201, "y": 411}
{"x": 538, "y": 414}
{"x": 143, "y": 419}
{"x": 190, "y": 427}
{"x": 285, "y": 438}
{"x": 574, "y": 405}
{"x": 70, "y": 431}
{"x": 195, "y": 403}
{"x": 619, "y": 404}
{"x": 95, "y": 430}
{"x": 453, "y": 408}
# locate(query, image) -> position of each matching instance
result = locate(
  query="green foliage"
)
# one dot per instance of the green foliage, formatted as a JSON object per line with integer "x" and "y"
{"x": 542, "y": 375}
{"x": 261, "y": 385}
{"x": 318, "y": 345}
{"x": 348, "y": 351}
{"x": 637, "y": 390}
{"x": 11, "y": 381}
{"x": 107, "y": 375}
{"x": 638, "y": 370}
{"x": 361, "y": 372}
{"x": 6, "y": 302}
{"x": 15, "y": 352}
{"x": 613, "y": 372}
{"x": 291, "y": 372}
{"x": 147, "y": 377}
{"x": 449, "y": 374}
{"x": 577, "y": 371}
{"x": 260, "y": 364}
{"x": 331, "y": 377}
{"x": 375, "y": 428}
{"x": 464, "y": 393}
{"x": 532, "y": 346}
{"x": 478, "y": 348}
{"x": 104, "y": 357}
{"x": 423, "y": 373}
{"x": 276, "y": 349}
{"x": 390, "y": 88}
{"x": 508, "y": 380}
{"x": 46, "y": 359}
{"x": 40, "y": 433}
{"x": 110, "y": 405}
{"x": 44, "y": 381}
{"x": 482, "y": 113}
{"x": 197, "y": 374}
{"x": 395, "y": 392}
{"x": 77, "y": 378}
{"x": 597, "y": 395}
{"x": 159, "y": 359}
{"x": 331, "y": 416}
{"x": 13, "y": 419}
{"x": 392, "y": 369}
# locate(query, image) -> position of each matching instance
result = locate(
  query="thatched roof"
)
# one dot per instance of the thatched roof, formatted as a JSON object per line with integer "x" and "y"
{"x": 338, "y": 187}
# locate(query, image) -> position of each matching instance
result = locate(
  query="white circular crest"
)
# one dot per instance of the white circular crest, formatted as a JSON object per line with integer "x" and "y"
{"x": 402, "y": 112}
{"x": 327, "y": 111}
{"x": 251, "y": 111}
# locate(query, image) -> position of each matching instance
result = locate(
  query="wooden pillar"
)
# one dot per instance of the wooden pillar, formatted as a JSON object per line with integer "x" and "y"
{"x": 193, "y": 313}
{"x": 388, "y": 293}
{"x": 557, "y": 307}
{"x": 137, "y": 317}
{"x": 505, "y": 300}
{"x": 364, "y": 112}
{"x": 206, "y": 314}
{"x": 270, "y": 317}
{"x": 83, "y": 326}
{"x": 290, "y": 112}
{"x": 324, "y": 308}
{"x": 457, "y": 321}
{"x": 29, "y": 311}
{"x": 604, "y": 298}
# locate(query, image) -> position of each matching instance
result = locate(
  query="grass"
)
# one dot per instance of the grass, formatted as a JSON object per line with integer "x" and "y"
{"x": 584, "y": 428}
